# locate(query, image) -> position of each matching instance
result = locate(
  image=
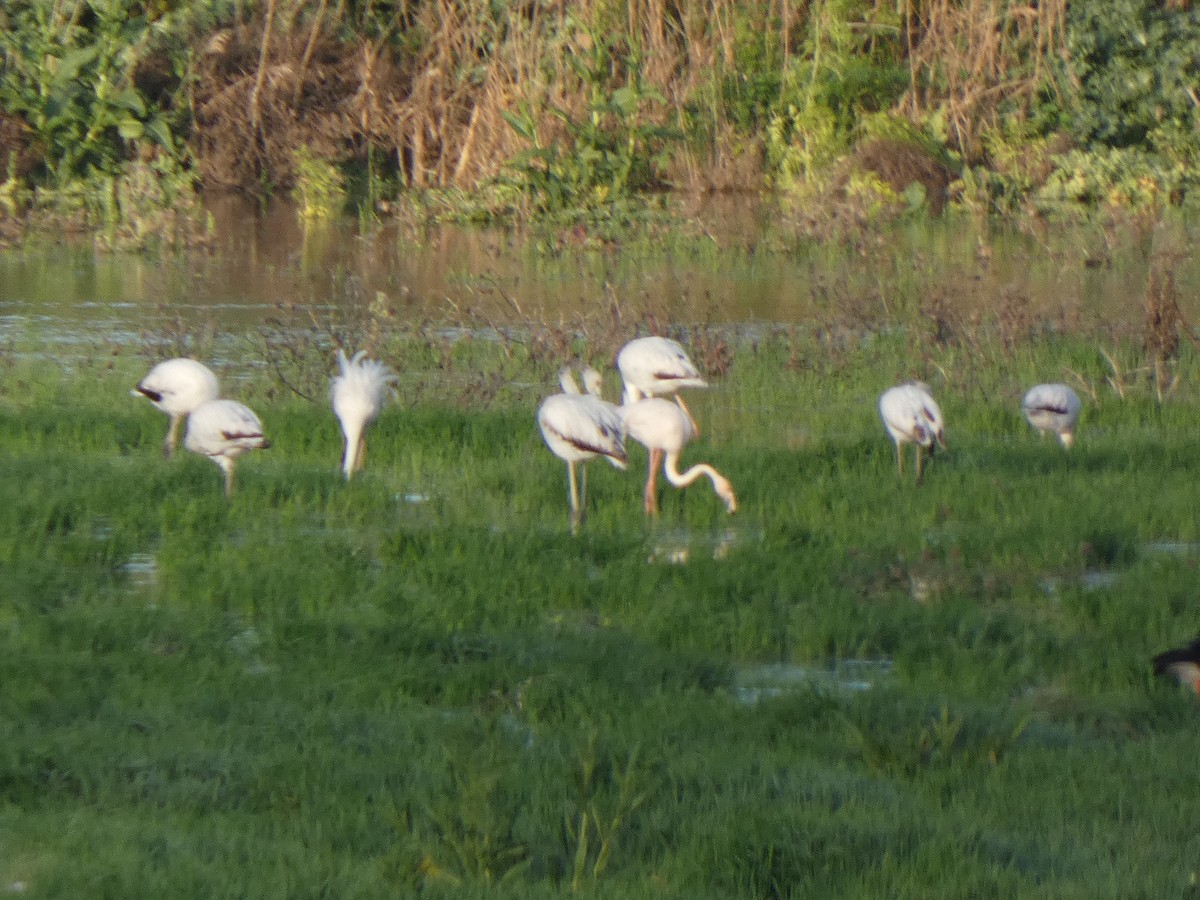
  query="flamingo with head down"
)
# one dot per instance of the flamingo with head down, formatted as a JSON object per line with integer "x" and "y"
{"x": 223, "y": 430}
{"x": 177, "y": 386}
{"x": 1053, "y": 408}
{"x": 357, "y": 394}
{"x": 912, "y": 416}
{"x": 665, "y": 427}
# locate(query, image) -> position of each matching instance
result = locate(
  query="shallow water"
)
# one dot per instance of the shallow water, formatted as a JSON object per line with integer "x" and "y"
{"x": 733, "y": 270}
{"x": 1089, "y": 580}
{"x": 676, "y": 547}
{"x": 755, "y": 683}
{"x": 142, "y": 570}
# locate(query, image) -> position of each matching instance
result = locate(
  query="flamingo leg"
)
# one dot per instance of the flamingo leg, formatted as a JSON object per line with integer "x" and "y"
{"x": 227, "y": 466}
{"x": 172, "y": 438}
{"x": 650, "y": 496}
{"x": 920, "y": 471}
{"x": 572, "y": 489}
{"x": 900, "y": 459}
{"x": 582, "y": 490}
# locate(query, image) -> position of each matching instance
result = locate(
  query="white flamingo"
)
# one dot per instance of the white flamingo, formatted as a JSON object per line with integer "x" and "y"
{"x": 357, "y": 396}
{"x": 1053, "y": 407}
{"x": 665, "y": 428}
{"x": 912, "y": 416}
{"x": 177, "y": 386}
{"x": 223, "y": 430}
{"x": 578, "y": 427}
{"x": 654, "y": 366}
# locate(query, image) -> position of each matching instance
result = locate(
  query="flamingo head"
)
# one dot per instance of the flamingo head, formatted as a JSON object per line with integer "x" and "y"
{"x": 593, "y": 382}
{"x": 725, "y": 491}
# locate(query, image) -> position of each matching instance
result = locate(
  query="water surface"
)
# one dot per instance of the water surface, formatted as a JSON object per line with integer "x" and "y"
{"x": 729, "y": 265}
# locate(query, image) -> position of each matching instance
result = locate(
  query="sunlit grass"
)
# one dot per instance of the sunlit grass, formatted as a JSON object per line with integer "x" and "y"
{"x": 420, "y": 680}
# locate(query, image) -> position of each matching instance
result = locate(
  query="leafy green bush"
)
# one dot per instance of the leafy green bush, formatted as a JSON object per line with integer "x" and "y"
{"x": 613, "y": 151}
{"x": 850, "y": 69}
{"x": 1130, "y": 71}
{"x": 320, "y": 188}
{"x": 68, "y": 70}
{"x": 1128, "y": 178}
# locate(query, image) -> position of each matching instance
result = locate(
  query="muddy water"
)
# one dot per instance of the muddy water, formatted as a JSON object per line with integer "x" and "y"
{"x": 736, "y": 270}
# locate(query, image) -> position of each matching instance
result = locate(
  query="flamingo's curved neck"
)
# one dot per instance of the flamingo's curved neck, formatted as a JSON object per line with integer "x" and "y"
{"x": 696, "y": 472}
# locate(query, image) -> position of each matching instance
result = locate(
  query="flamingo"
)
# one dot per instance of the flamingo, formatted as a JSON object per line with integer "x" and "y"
{"x": 357, "y": 395}
{"x": 912, "y": 416}
{"x": 177, "y": 386}
{"x": 223, "y": 430}
{"x": 1183, "y": 663}
{"x": 1053, "y": 407}
{"x": 665, "y": 428}
{"x": 578, "y": 427}
{"x": 653, "y": 366}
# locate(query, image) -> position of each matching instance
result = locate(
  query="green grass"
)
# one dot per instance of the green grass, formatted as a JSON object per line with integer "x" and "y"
{"x": 421, "y": 682}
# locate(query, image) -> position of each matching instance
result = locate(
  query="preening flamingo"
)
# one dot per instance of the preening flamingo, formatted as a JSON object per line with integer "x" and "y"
{"x": 578, "y": 427}
{"x": 654, "y": 366}
{"x": 912, "y": 416}
{"x": 223, "y": 430}
{"x": 665, "y": 427}
{"x": 357, "y": 396}
{"x": 177, "y": 386}
{"x": 1182, "y": 663}
{"x": 1053, "y": 408}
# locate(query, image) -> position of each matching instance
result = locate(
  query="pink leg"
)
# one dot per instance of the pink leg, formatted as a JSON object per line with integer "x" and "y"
{"x": 651, "y": 494}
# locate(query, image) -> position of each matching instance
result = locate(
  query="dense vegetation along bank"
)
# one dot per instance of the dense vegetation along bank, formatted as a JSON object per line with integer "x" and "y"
{"x": 113, "y": 114}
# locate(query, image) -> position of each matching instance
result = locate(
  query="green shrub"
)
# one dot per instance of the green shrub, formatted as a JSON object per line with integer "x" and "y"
{"x": 68, "y": 70}
{"x": 1129, "y": 72}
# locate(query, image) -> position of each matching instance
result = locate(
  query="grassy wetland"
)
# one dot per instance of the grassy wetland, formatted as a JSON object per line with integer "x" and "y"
{"x": 420, "y": 682}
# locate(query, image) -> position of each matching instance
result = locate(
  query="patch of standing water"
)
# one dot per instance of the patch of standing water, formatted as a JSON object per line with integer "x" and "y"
{"x": 246, "y": 644}
{"x": 753, "y": 684}
{"x": 675, "y": 548}
{"x": 1090, "y": 580}
{"x": 1172, "y": 548}
{"x": 141, "y": 569}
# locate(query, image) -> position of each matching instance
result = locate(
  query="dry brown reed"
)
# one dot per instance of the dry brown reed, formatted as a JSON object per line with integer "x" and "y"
{"x": 1164, "y": 323}
{"x": 428, "y": 84}
{"x": 968, "y": 57}
{"x": 283, "y": 78}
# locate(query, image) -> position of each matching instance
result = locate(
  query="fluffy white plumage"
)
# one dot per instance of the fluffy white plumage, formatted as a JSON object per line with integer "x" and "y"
{"x": 912, "y": 416}
{"x": 357, "y": 396}
{"x": 653, "y": 366}
{"x": 177, "y": 386}
{"x": 223, "y": 430}
{"x": 578, "y": 427}
{"x": 1053, "y": 408}
{"x": 665, "y": 427}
